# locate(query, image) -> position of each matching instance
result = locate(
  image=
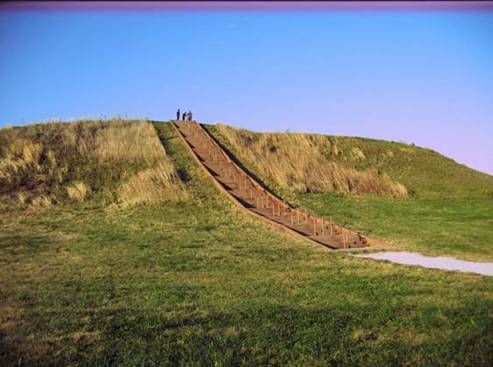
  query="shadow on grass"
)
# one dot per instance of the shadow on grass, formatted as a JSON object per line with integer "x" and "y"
{"x": 272, "y": 334}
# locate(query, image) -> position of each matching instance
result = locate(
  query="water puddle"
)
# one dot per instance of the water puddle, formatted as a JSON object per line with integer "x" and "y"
{"x": 443, "y": 263}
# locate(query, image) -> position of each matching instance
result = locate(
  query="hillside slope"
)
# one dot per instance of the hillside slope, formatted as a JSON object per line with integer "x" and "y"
{"x": 196, "y": 283}
{"x": 448, "y": 211}
{"x": 115, "y": 161}
{"x": 295, "y": 162}
{"x": 123, "y": 163}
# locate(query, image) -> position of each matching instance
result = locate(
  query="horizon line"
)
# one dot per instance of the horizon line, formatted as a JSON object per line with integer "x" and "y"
{"x": 288, "y": 131}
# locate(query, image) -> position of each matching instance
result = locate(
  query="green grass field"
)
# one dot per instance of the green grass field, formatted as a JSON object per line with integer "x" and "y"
{"x": 199, "y": 283}
{"x": 452, "y": 227}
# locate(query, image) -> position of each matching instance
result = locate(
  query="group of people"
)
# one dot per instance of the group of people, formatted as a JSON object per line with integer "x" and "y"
{"x": 186, "y": 116}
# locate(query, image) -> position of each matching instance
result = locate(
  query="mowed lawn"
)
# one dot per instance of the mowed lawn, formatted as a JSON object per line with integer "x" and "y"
{"x": 461, "y": 227}
{"x": 199, "y": 283}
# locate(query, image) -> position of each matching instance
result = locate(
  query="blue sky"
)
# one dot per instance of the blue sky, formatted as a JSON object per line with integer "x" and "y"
{"x": 413, "y": 76}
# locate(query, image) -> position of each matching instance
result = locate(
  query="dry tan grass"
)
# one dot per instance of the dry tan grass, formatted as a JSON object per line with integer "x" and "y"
{"x": 301, "y": 163}
{"x": 43, "y": 201}
{"x": 78, "y": 191}
{"x": 44, "y": 164}
{"x": 21, "y": 155}
{"x": 114, "y": 141}
{"x": 152, "y": 185}
{"x": 357, "y": 154}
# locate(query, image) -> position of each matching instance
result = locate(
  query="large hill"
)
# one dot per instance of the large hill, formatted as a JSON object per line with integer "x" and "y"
{"x": 123, "y": 163}
{"x": 117, "y": 249}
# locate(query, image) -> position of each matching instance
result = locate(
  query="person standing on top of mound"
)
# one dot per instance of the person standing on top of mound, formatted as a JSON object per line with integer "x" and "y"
{"x": 178, "y": 114}
{"x": 189, "y": 115}
{"x": 184, "y": 116}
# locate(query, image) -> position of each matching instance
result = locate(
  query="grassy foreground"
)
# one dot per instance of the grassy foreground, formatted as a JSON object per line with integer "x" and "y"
{"x": 198, "y": 283}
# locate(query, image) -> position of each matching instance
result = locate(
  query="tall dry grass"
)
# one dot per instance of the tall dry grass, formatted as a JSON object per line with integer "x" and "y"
{"x": 114, "y": 141}
{"x": 78, "y": 191}
{"x": 301, "y": 163}
{"x": 152, "y": 185}
{"x": 124, "y": 161}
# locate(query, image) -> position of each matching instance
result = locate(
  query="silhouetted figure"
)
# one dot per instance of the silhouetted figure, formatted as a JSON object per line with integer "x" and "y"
{"x": 190, "y": 115}
{"x": 178, "y": 114}
{"x": 184, "y": 116}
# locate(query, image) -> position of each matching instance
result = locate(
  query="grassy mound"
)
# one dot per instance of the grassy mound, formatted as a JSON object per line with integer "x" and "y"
{"x": 197, "y": 283}
{"x": 300, "y": 163}
{"x": 448, "y": 211}
{"x": 106, "y": 161}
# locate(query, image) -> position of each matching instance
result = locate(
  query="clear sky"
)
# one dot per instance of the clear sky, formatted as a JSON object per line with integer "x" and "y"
{"x": 404, "y": 75}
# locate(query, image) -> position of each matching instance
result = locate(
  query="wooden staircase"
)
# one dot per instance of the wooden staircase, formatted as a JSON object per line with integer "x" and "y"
{"x": 252, "y": 197}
